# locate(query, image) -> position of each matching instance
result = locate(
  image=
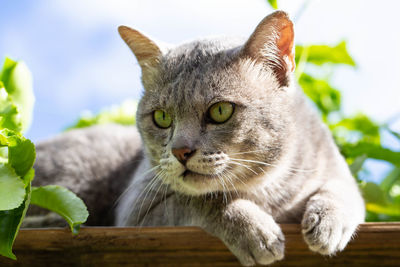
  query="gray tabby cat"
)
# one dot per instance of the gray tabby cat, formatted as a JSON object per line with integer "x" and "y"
{"x": 230, "y": 144}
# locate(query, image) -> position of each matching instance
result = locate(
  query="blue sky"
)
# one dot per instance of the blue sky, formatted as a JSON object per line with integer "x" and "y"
{"x": 79, "y": 62}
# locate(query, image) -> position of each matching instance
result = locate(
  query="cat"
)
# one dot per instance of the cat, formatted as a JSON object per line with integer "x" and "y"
{"x": 225, "y": 140}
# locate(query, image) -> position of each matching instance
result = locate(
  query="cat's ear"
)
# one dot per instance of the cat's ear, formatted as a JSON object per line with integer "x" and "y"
{"x": 272, "y": 44}
{"x": 146, "y": 51}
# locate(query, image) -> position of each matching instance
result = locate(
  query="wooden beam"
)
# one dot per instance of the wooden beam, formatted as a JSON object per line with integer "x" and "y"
{"x": 376, "y": 244}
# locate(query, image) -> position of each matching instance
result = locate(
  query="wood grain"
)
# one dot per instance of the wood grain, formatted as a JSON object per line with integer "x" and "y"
{"x": 376, "y": 244}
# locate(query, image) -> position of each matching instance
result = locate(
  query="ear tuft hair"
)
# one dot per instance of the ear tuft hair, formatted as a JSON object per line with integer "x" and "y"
{"x": 146, "y": 51}
{"x": 272, "y": 44}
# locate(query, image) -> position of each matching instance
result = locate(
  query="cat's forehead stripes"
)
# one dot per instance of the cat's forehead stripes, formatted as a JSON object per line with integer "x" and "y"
{"x": 188, "y": 77}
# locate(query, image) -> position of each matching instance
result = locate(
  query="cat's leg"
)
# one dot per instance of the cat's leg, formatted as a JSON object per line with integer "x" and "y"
{"x": 251, "y": 234}
{"x": 332, "y": 216}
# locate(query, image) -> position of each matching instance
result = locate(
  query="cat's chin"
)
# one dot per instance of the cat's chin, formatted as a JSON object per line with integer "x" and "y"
{"x": 193, "y": 183}
{"x": 188, "y": 174}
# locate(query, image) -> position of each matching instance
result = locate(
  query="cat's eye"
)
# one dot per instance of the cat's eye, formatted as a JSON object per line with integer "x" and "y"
{"x": 221, "y": 112}
{"x": 162, "y": 119}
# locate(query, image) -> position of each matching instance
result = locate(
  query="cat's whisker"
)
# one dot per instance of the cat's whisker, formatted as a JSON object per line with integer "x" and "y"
{"x": 150, "y": 186}
{"x": 270, "y": 164}
{"x": 226, "y": 173}
{"x": 221, "y": 182}
{"x": 243, "y": 165}
{"x": 247, "y": 152}
{"x": 133, "y": 206}
{"x": 128, "y": 189}
{"x": 151, "y": 203}
{"x": 224, "y": 177}
{"x": 165, "y": 199}
{"x": 235, "y": 176}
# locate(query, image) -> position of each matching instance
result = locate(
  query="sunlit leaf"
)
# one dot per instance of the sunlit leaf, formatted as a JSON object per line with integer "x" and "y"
{"x": 121, "y": 114}
{"x": 394, "y": 133}
{"x": 372, "y": 193}
{"x": 357, "y": 164}
{"x": 17, "y": 80}
{"x": 322, "y": 54}
{"x": 361, "y": 123}
{"x": 63, "y": 202}
{"x": 9, "y": 117}
{"x": 12, "y": 188}
{"x": 22, "y": 156}
{"x": 374, "y": 151}
{"x": 10, "y": 222}
{"x": 391, "y": 210}
{"x": 360, "y": 126}
{"x": 394, "y": 192}
{"x": 29, "y": 177}
{"x": 390, "y": 180}
{"x": 273, "y": 3}
{"x": 321, "y": 93}
{"x": 21, "y": 151}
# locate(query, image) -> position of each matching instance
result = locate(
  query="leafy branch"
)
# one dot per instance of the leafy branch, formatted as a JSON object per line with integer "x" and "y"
{"x": 17, "y": 156}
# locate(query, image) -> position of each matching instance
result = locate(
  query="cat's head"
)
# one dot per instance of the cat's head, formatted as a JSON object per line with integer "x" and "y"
{"x": 213, "y": 116}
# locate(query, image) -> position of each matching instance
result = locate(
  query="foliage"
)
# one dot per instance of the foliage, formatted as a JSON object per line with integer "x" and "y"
{"x": 273, "y": 3}
{"x": 358, "y": 136}
{"x": 17, "y": 81}
{"x": 17, "y": 156}
{"x": 123, "y": 114}
{"x": 62, "y": 201}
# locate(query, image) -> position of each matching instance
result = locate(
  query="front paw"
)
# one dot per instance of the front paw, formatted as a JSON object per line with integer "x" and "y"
{"x": 325, "y": 229}
{"x": 257, "y": 244}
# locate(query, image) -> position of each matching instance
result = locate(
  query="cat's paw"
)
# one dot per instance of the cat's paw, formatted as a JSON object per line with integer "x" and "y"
{"x": 325, "y": 229}
{"x": 262, "y": 244}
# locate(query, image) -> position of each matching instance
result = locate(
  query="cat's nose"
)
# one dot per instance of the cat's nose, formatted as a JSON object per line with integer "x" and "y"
{"x": 182, "y": 154}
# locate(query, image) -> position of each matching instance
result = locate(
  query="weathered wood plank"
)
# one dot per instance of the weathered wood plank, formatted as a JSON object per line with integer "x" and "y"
{"x": 376, "y": 244}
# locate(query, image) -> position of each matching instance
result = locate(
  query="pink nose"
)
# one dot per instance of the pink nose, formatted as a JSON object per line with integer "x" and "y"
{"x": 182, "y": 154}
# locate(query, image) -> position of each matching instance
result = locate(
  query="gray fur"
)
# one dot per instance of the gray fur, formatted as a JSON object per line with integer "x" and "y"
{"x": 95, "y": 163}
{"x": 272, "y": 162}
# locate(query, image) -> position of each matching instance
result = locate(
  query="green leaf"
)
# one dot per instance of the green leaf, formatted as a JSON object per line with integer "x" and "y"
{"x": 122, "y": 114}
{"x": 9, "y": 117}
{"x": 10, "y": 222}
{"x": 9, "y": 137}
{"x": 360, "y": 126}
{"x": 63, "y": 202}
{"x": 361, "y": 123}
{"x": 322, "y": 54}
{"x": 374, "y": 151}
{"x": 5, "y": 73}
{"x": 22, "y": 156}
{"x": 395, "y": 134}
{"x": 372, "y": 193}
{"x": 326, "y": 97}
{"x": 12, "y": 188}
{"x": 21, "y": 151}
{"x": 17, "y": 80}
{"x": 357, "y": 164}
{"x": 377, "y": 201}
{"x": 273, "y": 3}
{"x": 390, "y": 180}
{"x": 394, "y": 192}
{"x": 29, "y": 177}
{"x": 391, "y": 210}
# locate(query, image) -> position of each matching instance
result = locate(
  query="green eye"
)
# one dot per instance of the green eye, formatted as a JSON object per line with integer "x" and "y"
{"x": 221, "y": 112}
{"x": 162, "y": 119}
